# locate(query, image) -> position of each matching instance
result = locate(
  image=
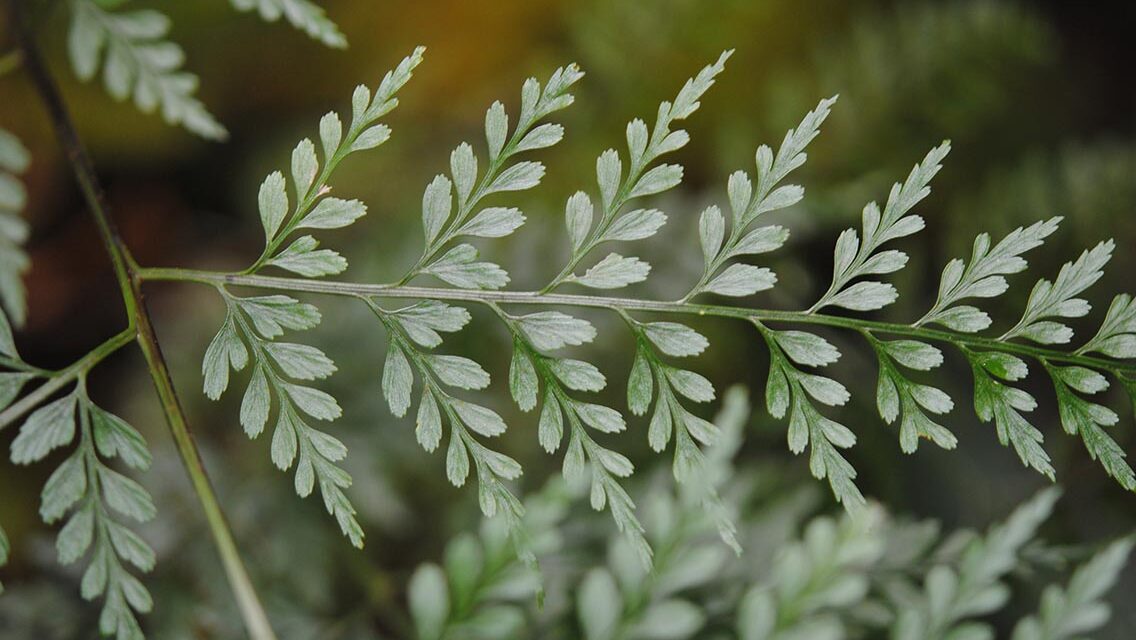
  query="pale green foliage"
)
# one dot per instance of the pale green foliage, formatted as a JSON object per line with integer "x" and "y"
{"x": 553, "y": 384}
{"x": 86, "y": 491}
{"x": 14, "y": 161}
{"x": 837, "y": 578}
{"x": 138, "y": 62}
{"x": 302, "y": 14}
{"x": 1079, "y": 608}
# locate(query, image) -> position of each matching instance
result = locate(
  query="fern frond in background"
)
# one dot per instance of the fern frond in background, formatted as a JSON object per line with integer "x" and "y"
{"x": 302, "y": 14}
{"x": 816, "y": 577}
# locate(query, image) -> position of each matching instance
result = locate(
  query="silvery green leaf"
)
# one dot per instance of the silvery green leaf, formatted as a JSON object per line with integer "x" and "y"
{"x": 577, "y": 374}
{"x": 550, "y": 330}
{"x": 398, "y": 379}
{"x": 125, "y": 495}
{"x": 672, "y": 619}
{"x": 437, "y": 204}
{"x": 640, "y": 384}
{"x": 551, "y": 428}
{"x": 482, "y": 420}
{"x": 115, "y": 438}
{"x": 304, "y": 167}
{"x": 657, "y": 180}
{"x": 690, "y": 384}
{"x": 739, "y": 189}
{"x": 48, "y": 427}
{"x": 371, "y": 137}
{"x": 300, "y": 361}
{"x": 686, "y": 102}
{"x": 541, "y": 137}
{"x": 824, "y": 390}
{"x": 423, "y": 320}
{"x": 302, "y": 257}
{"x": 578, "y": 218}
{"x": 457, "y": 267}
{"x": 67, "y": 484}
{"x": 273, "y": 203}
{"x": 130, "y": 547}
{"x": 637, "y": 138}
{"x": 463, "y": 166}
{"x": 429, "y": 599}
{"x": 661, "y": 426}
{"x": 609, "y": 173}
{"x": 914, "y": 354}
{"x": 806, "y": 348}
{"x": 711, "y": 231}
{"x": 317, "y": 404}
{"x": 428, "y": 427}
{"x": 791, "y": 154}
{"x": 613, "y": 272}
{"x": 599, "y": 417}
{"x": 965, "y": 318}
{"x": 636, "y": 225}
{"x": 675, "y": 339}
{"x": 779, "y": 198}
{"x": 333, "y": 213}
{"x": 74, "y": 538}
{"x": 256, "y": 404}
{"x": 225, "y": 350}
{"x": 741, "y": 280}
{"x": 884, "y": 262}
{"x": 496, "y": 129}
{"x": 271, "y": 315}
{"x": 1116, "y": 337}
{"x": 331, "y": 133}
{"x": 494, "y": 222}
{"x": 761, "y": 240}
{"x": 10, "y": 386}
{"x": 518, "y": 177}
{"x": 600, "y": 607}
{"x": 457, "y": 371}
{"x": 523, "y": 384}
{"x": 615, "y": 463}
{"x": 865, "y": 296}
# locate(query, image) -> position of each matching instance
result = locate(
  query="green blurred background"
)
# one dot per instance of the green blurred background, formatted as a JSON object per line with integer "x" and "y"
{"x": 1037, "y": 99}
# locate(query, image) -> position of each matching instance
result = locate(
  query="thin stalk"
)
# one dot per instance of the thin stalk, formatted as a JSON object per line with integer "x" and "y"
{"x": 334, "y": 288}
{"x": 139, "y": 323}
{"x": 64, "y": 377}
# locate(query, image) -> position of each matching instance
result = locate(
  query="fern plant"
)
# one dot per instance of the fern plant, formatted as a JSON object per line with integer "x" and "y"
{"x": 472, "y": 201}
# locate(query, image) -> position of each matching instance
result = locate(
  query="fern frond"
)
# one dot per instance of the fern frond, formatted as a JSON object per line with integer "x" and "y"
{"x": 538, "y": 377}
{"x": 1079, "y": 608}
{"x": 302, "y": 14}
{"x": 93, "y": 493}
{"x": 138, "y": 62}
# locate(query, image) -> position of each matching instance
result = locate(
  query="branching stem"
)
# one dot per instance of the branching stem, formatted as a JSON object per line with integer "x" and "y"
{"x": 334, "y": 288}
{"x": 139, "y": 325}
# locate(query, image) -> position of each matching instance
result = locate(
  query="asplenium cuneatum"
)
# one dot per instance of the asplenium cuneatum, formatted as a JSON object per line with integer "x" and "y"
{"x": 471, "y": 200}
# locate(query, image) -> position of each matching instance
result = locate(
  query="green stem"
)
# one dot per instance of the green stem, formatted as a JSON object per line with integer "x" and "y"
{"x": 62, "y": 378}
{"x": 328, "y": 287}
{"x": 139, "y": 323}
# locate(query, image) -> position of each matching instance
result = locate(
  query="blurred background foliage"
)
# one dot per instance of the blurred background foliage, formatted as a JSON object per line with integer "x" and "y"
{"x": 1037, "y": 99}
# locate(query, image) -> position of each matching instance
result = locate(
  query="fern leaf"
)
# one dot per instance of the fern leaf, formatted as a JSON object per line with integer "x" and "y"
{"x": 138, "y": 62}
{"x": 302, "y": 14}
